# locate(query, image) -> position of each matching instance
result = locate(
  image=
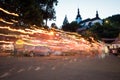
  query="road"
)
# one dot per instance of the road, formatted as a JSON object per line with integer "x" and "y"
{"x": 60, "y": 68}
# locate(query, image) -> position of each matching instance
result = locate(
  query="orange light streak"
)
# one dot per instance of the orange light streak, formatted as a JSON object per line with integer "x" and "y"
{"x": 6, "y": 42}
{"x": 7, "y": 12}
{"x": 5, "y": 21}
{"x": 8, "y": 35}
{"x": 14, "y": 21}
{"x": 56, "y": 40}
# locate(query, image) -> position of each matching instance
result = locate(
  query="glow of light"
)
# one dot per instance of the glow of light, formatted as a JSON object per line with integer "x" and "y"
{"x": 51, "y": 33}
{"x": 107, "y": 21}
{"x": 19, "y": 42}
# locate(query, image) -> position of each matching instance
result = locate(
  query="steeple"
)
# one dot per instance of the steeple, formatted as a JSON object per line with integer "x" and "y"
{"x": 97, "y": 15}
{"x": 78, "y": 17}
{"x": 65, "y": 20}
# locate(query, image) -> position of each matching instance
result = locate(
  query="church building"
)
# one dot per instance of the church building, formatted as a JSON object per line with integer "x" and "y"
{"x": 87, "y": 23}
{"x": 78, "y": 17}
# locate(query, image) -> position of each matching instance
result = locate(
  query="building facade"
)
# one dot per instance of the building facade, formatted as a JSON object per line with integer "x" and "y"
{"x": 87, "y": 23}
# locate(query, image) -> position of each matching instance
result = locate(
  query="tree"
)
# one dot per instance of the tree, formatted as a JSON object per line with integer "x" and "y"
{"x": 109, "y": 29}
{"x": 66, "y": 27}
{"x": 9, "y": 6}
{"x": 53, "y": 25}
{"x": 48, "y": 10}
{"x": 71, "y": 27}
{"x": 31, "y": 11}
{"x": 74, "y": 26}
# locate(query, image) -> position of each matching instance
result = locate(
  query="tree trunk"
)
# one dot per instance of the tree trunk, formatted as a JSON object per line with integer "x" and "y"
{"x": 46, "y": 22}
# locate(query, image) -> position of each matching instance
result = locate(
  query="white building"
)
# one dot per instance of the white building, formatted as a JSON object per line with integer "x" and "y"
{"x": 88, "y": 22}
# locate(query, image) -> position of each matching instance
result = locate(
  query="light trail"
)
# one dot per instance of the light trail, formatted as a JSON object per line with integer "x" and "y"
{"x": 7, "y": 12}
{"x": 2, "y": 20}
{"x": 8, "y": 35}
{"x": 15, "y": 21}
{"x": 6, "y": 42}
{"x": 56, "y": 40}
{"x": 15, "y": 30}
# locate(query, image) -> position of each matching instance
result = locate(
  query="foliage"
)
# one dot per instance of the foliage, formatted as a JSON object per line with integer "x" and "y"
{"x": 114, "y": 18}
{"x": 30, "y": 11}
{"x": 109, "y": 29}
{"x": 71, "y": 27}
{"x": 53, "y": 25}
{"x": 88, "y": 33}
{"x": 48, "y": 10}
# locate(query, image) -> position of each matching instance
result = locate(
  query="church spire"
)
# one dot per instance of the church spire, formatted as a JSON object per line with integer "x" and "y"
{"x": 65, "y": 20}
{"x": 78, "y": 12}
{"x": 78, "y": 17}
{"x": 97, "y": 15}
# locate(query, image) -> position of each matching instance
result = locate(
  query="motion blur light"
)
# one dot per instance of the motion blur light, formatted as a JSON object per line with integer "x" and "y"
{"x": 19, "y": 42}
{"x": 51, "y": 33}
{"x": 55, "y": 40}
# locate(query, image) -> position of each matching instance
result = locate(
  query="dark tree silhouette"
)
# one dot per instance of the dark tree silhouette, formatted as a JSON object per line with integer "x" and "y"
{"x": 71, "y": 27}
{"x": 30, "y": 11}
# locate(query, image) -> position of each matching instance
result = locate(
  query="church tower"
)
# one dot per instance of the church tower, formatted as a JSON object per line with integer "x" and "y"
{"x": 78, "y": 17}
{"x": 97, "y": 15}
{"x": 65, "y": 20}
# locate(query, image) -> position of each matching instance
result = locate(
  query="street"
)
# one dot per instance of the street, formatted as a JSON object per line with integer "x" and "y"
{"x": 60, "y": 68}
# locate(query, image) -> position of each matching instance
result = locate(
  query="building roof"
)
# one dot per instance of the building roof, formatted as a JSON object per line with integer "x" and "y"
{"x": 93, "y": 19}
{"x": 86, "y": 20}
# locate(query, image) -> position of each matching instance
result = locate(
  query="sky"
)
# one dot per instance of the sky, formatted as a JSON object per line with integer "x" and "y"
{"x": 87, "y": 9}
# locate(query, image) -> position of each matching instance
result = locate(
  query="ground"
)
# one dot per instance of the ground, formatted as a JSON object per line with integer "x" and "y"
{"x": 60, "y": 68}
